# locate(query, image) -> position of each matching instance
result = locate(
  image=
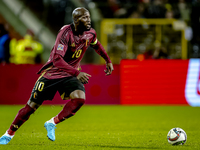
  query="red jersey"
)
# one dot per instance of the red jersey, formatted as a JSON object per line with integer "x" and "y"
{"x": 68, "y": 50}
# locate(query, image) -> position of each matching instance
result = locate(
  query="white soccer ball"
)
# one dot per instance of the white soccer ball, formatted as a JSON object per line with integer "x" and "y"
{"x": 176, "y": 136}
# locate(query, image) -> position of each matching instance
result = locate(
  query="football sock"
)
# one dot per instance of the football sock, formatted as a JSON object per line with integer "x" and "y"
{"x": 10, "y": 132}
{"x": 69, "y": 109}
{"x": 56, "y": 120}
{"x": 22, "y": 116}
{"x": 51, "y": 121}
{"x": 7, "y": 134}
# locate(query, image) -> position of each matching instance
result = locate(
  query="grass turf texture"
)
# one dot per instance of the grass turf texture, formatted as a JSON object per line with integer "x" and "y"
{"x": 105, "y": 127}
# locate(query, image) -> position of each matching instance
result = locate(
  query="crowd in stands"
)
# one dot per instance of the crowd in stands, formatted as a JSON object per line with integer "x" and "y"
{"x": 55, "y": 13}
{"x": 179, "y": 9}
{"x": 183, "y": 10}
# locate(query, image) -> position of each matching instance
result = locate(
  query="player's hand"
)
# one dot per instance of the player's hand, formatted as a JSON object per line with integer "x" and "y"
{"x": 83, "y": 77}
{"x": 109, "y": 68}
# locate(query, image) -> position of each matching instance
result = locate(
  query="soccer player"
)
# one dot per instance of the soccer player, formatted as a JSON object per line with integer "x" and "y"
{"x": 61, "y": 73}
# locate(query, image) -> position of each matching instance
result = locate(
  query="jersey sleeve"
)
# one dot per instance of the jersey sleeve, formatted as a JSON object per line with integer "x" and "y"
{"x": 101, "y": 51}
{"x": 61, "y": 44}
{"x": 59, "y": 62}
{"x": 94, "y": 40}
{"x": 99, "y": 48}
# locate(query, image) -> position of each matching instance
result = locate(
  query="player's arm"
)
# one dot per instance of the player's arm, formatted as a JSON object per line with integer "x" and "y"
{"x": 102, "y": 52}
{"x": 109, "y": 68}
{"x": 60, "y": 63}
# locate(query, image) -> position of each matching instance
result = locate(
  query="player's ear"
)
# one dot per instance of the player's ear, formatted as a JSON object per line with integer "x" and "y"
{"x": 76, "y": 20}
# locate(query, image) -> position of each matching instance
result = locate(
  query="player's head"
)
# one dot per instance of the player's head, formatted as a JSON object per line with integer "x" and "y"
{"x": 81, "y": 19}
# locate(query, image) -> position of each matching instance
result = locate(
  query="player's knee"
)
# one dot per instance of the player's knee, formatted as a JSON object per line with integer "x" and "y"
{"x": 77, "y": 94}
{"x": 33, "y": 104}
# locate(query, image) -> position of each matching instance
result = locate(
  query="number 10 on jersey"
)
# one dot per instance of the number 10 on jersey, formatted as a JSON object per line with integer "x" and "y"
{"x": 77, "y": 53}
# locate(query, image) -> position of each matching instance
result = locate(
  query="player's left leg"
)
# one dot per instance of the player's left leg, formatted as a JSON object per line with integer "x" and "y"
{"x": 40, "y": 92}
{"x": 71, "y": 107}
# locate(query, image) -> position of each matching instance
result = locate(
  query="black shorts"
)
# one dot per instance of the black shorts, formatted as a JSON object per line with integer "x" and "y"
{"x": 45, "y": 89}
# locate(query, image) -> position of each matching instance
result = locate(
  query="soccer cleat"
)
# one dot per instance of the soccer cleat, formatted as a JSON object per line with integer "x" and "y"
{"x": 50, "y": 127}
{"x": 5, "y": 140}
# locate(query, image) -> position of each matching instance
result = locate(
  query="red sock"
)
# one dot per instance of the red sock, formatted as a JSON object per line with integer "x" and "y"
{"x": 22, "y": 116}
{"x": 10, "y": 132}
{"x": 69, "y": 109}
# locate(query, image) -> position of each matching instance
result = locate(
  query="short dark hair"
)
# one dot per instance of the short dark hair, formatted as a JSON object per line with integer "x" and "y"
{"x": 77, "y": 12}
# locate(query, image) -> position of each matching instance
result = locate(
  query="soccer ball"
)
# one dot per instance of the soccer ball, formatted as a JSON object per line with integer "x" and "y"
{"x": 176, "y": 136}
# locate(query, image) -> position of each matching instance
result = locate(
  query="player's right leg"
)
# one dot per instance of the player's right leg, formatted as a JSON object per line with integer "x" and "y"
{"x": 23, "y": 115}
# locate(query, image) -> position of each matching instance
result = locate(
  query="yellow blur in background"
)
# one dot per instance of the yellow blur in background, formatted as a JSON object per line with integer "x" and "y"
{"x": 26, "y": 50}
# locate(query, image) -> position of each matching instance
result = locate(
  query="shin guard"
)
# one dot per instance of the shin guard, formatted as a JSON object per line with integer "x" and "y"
{"x": 22, "y": 116}
{"x": 70, "y": 109}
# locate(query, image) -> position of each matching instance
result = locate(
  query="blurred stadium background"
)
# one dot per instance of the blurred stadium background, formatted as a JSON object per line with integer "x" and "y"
{"x": 155, "y": 48}
{"x": 154, "y": 45}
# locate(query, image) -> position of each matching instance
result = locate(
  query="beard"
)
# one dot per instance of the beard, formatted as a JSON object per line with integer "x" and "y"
{"x": 82, "y": 27}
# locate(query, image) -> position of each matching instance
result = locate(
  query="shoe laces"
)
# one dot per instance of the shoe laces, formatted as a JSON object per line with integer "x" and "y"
{"x": 6, "y": 138}
{"x": 52, "y": 126}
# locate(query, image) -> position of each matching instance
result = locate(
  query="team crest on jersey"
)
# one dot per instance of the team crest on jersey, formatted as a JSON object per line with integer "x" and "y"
{"x": 60, "y": 47}
{"x": 34, "y": 95}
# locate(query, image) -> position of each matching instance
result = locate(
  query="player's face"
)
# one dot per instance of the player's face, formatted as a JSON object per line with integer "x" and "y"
{"x": 85, "y": 21}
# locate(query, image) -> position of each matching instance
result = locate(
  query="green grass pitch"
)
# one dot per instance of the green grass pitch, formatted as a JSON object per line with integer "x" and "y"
{"x": 103, "y": 127}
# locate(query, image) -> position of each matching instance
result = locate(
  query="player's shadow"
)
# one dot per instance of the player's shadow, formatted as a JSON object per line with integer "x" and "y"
{"x": 115, "y": 146}
{"x": 98, "y": 146}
